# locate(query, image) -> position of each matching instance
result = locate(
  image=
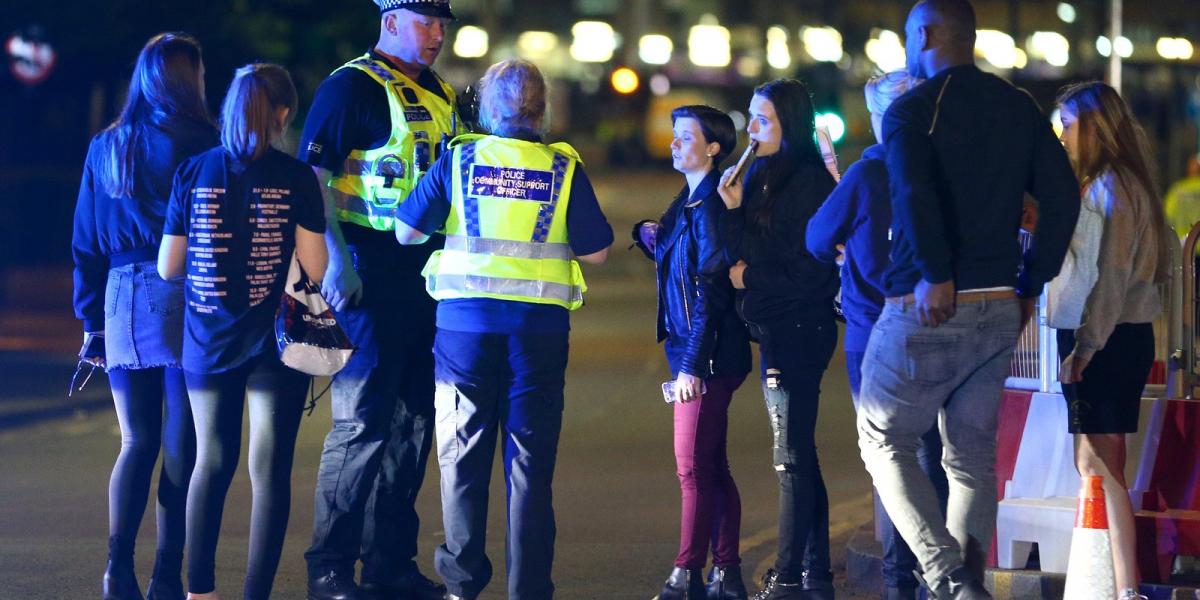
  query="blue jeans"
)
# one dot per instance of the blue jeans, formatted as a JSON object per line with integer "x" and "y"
{"x": 373, "y": 462}
{"x": 912, "y": 377}
{"x": 800, "y": 352}
{"x": 899, "y": 562}
{"x": 489, "y": 385}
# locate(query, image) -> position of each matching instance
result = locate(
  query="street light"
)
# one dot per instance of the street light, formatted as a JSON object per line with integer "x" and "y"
{"x": 1050, "y": 46}
{"x": 655, "y": 49}
{"x": 471, "y": 42}
{"x": 1066, "y": 12}
{"x": 1174, "y": 48}
{"x": 593, "y": 41}
{"x": 886, "y": 51}
{"x": 824, "y": 44}
{"x": 779, "y": 56}
{"x": 1124, "y": 47}
{"x": 625, "y": 80}
{"x": 708, "y": 43}
{"x": 536, "y": 45}
{"x": 998, "y": 48}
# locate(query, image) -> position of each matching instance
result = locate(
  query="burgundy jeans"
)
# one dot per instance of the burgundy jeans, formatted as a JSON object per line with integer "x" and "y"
{"x": 712, "y": 508}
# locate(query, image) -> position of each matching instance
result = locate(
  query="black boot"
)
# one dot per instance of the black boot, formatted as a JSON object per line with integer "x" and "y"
{"x": 960, "y": 584}
{"x": 817, "y": 585}
{"x": 725, "y": 583}
{"x": 165, "y": 582}
{"x": 119, "y": 581}
{"x": 775, "y": 589}
{"x": 333, "y": 586}
{"x": 683, "y": 584}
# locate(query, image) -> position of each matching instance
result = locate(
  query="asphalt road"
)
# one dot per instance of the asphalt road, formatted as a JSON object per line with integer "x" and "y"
{"x": 616, "y": 494}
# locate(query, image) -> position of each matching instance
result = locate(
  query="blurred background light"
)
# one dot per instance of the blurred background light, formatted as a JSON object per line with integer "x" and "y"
{"x": 708, "y": 45}
{"x": 471, "y": 42}
{"x": 823, "y": 44}
{"x": 625, "y": 80}
{"x": 655, "y": 49}
{"x": 536, "y": 45}
{"x": 593, "y": 41}
{"x": 886, "y": 51}
{"x": 779, "y": 55}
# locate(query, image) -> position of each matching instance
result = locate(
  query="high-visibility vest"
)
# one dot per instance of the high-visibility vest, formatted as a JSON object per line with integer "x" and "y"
{"x": 374, "y": 182}
{"x": 506, "y": 234}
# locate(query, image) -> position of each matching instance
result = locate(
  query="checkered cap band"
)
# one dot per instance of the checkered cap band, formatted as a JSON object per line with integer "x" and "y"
{"x": 440, "y": 8}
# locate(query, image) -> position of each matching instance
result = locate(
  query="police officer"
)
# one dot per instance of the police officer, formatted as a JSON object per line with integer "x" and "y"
{"x": 372, "y": 132}
{"x": 515, "y": 211}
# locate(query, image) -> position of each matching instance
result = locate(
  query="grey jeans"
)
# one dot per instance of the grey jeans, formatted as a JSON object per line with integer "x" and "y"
{"x": 953, "y": 375}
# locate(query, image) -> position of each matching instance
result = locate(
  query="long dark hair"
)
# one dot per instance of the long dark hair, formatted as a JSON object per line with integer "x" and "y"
{"x": 249, "y": 116}
{"x": 165, "y": 83}
{"x": 794, "y": 108}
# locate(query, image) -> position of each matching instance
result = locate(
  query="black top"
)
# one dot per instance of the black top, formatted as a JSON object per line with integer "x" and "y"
{"x": 240, "y": 220}
{"x": 783, "y": 281}
{"x": 962, "y": 150}
{"x": 108, "y": 228}
{"x": 695, "y": 298}
{"x": 350, "y": 112}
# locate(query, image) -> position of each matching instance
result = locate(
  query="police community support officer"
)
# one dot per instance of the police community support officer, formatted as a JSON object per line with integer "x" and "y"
{"x": 373, "y": 130}
{"x": 514, "y": 210}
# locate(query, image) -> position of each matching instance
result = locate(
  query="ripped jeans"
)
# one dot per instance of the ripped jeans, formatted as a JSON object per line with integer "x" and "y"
{"x": 794, "y": 358}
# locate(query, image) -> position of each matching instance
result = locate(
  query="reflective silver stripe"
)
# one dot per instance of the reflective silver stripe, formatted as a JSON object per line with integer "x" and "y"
{"x": 519, "y": 288}
{"x": 354, "y": 204}
{"x": 507, "y": 248}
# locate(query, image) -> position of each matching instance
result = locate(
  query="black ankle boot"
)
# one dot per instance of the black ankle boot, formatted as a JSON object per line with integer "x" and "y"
{"x": 120, "y": 583}
{"x": 166, "y": 582}
{"x": 725, "y": 583}
{"x": 683, "y": 584}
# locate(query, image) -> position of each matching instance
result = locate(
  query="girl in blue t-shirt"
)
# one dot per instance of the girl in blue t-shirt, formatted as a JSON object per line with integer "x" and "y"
{"x": 237, "y": 213}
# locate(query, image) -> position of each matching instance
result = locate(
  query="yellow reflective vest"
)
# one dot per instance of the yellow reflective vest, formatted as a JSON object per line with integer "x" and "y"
{"x": 374, "y": 182}
{"x": 506, "y": 235}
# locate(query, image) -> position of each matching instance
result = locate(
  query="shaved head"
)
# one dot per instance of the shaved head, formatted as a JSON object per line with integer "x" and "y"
{"x": 938, "y": 34}
{"x": 954, "y": 20}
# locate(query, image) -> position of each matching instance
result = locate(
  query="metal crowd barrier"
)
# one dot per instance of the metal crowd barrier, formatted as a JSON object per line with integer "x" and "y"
{"x": 1035, "y": 361}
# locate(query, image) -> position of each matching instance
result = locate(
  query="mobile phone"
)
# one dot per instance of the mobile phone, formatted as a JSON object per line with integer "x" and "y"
{"x": 93, "y": 346}
{"x": 668, "y": 390}
{"x": 743, "y": 163}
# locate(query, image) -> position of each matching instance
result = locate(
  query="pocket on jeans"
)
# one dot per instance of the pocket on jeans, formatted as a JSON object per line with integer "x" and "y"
{"x": 165, "y": 297}
{"x": 931, "y": 359}
{"x": 112, "y": 294}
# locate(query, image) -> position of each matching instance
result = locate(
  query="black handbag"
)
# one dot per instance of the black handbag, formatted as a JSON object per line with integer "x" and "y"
{"x": 309, "y": 337}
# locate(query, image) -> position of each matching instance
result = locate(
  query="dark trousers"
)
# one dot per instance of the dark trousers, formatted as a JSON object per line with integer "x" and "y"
{"x": 373, "y": 462}
{"x": 276, "y": 396}
{"x": 711, "y": 511}
{"x": 153, "y": 411}
{"x": 490, "y": 385}
{"x": 794, "y": 358}
{"x": 899, "y": 562}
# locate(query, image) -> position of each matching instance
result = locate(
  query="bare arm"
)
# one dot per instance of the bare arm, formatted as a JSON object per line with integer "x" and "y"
{"x": 408, "y": 235}
{"x": 312, "y": 252}
{"x": 595, "y": 258}
{"x": 342, "y": 285}
{"x": 172, "y": 257}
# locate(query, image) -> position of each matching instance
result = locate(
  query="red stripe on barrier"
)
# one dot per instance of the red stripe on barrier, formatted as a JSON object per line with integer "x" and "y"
{"x": 1014, "y": 409}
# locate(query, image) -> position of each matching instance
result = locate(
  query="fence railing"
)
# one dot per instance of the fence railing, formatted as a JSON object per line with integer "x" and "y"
{"x": 1035, "y": 361}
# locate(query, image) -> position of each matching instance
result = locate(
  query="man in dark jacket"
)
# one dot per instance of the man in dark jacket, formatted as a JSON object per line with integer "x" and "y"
{"x": 962, "y": 150}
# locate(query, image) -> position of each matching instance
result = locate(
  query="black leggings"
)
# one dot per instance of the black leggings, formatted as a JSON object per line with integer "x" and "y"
{"x": 276, "y": 401}
{"x": 140, "y": 396}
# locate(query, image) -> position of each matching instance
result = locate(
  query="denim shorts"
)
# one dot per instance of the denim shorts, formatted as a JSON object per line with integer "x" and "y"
{"x": 143, "y": 318}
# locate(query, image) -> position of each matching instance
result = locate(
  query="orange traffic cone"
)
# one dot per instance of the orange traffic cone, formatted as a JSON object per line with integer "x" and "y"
{"x": 1090, "y": 566}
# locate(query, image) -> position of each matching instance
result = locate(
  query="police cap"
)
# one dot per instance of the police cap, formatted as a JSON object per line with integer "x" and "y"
{"x": 433, "y": 8}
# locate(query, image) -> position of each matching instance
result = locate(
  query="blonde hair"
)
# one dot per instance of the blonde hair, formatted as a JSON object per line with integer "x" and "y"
{"x": 882, "y": 90}
{"x": 512, "y": 97}
{"x": 1111, "y": 139}
{"x": 249, "y": 115}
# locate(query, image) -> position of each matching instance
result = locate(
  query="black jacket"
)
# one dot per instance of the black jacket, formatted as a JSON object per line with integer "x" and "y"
{"x": 784, "y": 283}
{"x": 703, "y": 335}
{"x": 963, "y": 148}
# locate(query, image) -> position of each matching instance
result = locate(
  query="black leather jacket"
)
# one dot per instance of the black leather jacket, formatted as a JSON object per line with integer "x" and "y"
{"x": 703, "y": 334}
